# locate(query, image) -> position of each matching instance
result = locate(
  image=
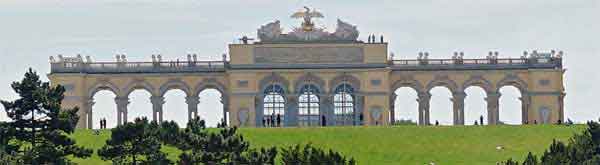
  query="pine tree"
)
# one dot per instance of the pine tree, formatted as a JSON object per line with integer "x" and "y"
{"x": 309, "y": 154}
{"x": 223, "y": 147}
{"x": 530, "y": 160}
{"x": 39, "y": 126}
{"x": 134, "y": 143}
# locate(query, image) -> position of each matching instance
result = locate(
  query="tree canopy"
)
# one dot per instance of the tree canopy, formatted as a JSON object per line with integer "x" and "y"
{"x": 39, "y": 127}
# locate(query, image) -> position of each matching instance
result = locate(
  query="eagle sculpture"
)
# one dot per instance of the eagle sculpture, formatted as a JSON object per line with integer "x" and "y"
{"x": 307, "y": 15}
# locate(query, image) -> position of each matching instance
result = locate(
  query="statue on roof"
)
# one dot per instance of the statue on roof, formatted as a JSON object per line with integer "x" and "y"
{"x": 307, "y": 15}
{"x": 307, "y": 33}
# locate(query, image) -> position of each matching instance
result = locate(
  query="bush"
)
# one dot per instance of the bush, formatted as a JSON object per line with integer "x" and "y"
{"x": 311, "y": 155}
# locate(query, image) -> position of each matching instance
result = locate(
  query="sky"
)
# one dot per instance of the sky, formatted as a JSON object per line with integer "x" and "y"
{"x": 31, "y": 31}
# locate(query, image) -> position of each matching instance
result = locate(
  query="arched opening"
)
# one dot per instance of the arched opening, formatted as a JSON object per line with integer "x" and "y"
{"x": 175, "y": 107}
{"x": 406, "y": 107}
{"x": 343, "y": 105}
{"x": 139, "y": 105}
{"x": 210, "y": 108}
{"x": 441, "y": 106}
{"x": 104, "y": 108}
{"x": 3, "y": 115}
{"x": 510, "y": 105}
{"x": 308, "y": 106}
{"x": 475, "y": 106}
{"x": 273, "y": 107}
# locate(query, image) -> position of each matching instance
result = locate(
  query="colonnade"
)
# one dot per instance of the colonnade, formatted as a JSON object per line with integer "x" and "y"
{"x": 492, "y": 100}
{"x": 157, "y": 108}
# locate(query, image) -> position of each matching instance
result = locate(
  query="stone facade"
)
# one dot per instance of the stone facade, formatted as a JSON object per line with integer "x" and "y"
{"x": 305, "y": 76}
{"x": 242, "y": 82}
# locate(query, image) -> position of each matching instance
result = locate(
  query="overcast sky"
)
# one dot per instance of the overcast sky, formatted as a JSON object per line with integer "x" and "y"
{"x": 30, "y": 31}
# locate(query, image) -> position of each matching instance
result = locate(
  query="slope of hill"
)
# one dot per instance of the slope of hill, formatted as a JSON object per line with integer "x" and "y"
{"x": 397, "y": 144}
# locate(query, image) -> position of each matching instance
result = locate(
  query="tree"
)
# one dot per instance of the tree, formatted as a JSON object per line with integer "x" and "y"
{"x": 169, "y": 132}
{"x": 308, "y": 154}
{"x": 133, "y": 143}
{"x": 224, "y": 147}
{"x": 582, "y": 148}
{"x": 510, "y": 162}
{"x": 530, "y": 160}
{"x": 39, "y": 127}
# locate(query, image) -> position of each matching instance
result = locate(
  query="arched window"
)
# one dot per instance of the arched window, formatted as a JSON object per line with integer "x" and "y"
{"x": 274, "y": 106}
{"x": 308, "y": 106}
{"x": 343, "y": 102}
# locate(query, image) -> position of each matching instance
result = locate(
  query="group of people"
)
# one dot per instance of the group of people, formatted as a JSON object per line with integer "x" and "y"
{"x": 103, "y": 123}
{"x": 272, "y": 120}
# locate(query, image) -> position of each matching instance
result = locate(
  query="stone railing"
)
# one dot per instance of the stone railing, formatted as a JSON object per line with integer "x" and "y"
{"x": 136, "y": 67}
{"x": 490, "y": 62}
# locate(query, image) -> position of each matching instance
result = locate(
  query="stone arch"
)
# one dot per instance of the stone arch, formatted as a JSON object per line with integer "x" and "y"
{"x": 103, "y": 85}
{"x": 174, "y": 84}
{"x": 139, "y": 84}
{"x": 512, "y": 80}
{"x": 345, "y": 78}
{"x": 479, "y": 81}
{"x": 411, "y": 83}
{"x": 442, "y": 81}
{"x": 309, "y": 79}
{"x": 210, "y": 83}
{"x": 274, "y": 78}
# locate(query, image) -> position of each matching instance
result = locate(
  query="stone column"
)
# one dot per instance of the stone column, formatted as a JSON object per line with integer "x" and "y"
{"x": 157, "y": 107}
{"x": 423, "y": 100}
{"x": 525, "y": 101}
{"x": 493, "y": 107}
{"x": 89, "y": 103}
{"x": 561, "y": 107}
{"x": 192, "y": 102}
{"x": 225, "y": 107}
{"x": 392, "y": 109}
{"x": 458, "y": 100}
{"x": 122, "y": 103}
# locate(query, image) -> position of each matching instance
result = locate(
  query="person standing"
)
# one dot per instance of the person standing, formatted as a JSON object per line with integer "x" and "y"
{"x": 481, "y": 119}
{"x": 278, "y": 120}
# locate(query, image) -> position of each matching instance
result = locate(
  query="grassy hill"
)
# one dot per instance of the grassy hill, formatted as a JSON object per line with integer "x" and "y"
{"x": 398, "y": 144}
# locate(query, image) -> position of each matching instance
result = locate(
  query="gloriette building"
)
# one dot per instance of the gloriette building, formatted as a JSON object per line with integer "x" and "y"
{"x": 312, "y": 77}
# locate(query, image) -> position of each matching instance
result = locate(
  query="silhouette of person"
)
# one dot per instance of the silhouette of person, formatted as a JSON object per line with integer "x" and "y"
{"x": 323, "y": 121}
{"x": 476, "y": 122}
{"x": 481, "y": 119}
{"x": 360, "y": 118}
{"x": 278, "y": 120}
{"x": 272, "y": 121}
{"x": 102, "y": 123}
{"x": 263, "y": 122}
{"x": 437, "y": 123}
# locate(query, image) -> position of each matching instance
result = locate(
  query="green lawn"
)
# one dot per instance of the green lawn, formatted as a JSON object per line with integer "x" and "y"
{"x": 398, "y": 144}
